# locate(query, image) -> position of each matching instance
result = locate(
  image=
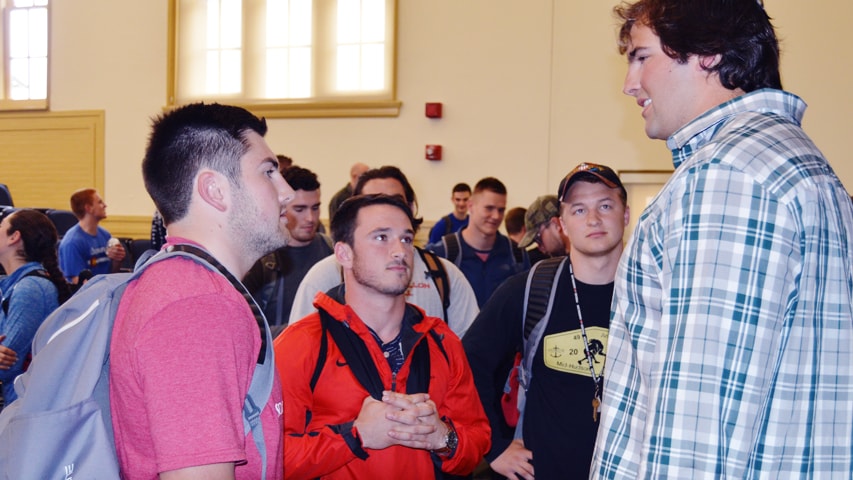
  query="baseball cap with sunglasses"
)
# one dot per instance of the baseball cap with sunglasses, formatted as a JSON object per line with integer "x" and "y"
{"x": 603, "y": 173}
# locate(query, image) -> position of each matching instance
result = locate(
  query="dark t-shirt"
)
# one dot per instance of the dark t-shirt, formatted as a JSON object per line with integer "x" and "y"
{"x": 558, "y": 424}
{"x": 275, "y": 288}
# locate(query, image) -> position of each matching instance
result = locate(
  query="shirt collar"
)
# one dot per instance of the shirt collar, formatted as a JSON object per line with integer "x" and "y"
{"x": 698, "y": 132}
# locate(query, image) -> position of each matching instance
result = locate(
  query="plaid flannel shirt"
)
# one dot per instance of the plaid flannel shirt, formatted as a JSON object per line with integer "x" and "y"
{"x": 731, "y": 343}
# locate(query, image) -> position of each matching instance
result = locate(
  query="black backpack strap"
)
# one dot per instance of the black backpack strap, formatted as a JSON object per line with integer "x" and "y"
{"x": 419, "y": 374}
{"x": 321, "y": 356}
{"x": 356, "y": 354}
{"x": 539, "y": 291}
{"x": 517, "y": 252}
{"x": 32, "y": 273}
{"x": 452, "y": 248}
{"x": 448, "y": 224}
{"x": 361, "y": 363}
{"x": 438, "y": 274}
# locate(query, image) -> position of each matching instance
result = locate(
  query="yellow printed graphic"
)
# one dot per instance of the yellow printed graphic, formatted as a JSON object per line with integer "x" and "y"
{"x": 565, "y": 351}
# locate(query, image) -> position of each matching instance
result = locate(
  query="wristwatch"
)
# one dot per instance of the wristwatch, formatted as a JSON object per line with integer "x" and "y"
{"x": 451, "y": 441}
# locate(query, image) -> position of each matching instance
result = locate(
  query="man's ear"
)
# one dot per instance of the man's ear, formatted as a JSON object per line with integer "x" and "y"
{"x": 558, "y": 222}
{"x": 709, "y": 62}
{"x": 213, "y": 188}
{"x": 344, "y": 255}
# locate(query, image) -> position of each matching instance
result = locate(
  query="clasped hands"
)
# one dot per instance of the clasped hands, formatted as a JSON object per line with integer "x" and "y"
{"x": 410, "y": 420}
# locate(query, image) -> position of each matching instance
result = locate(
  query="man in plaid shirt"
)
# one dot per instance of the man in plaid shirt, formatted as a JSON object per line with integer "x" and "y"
{"x": 731, "y": 341}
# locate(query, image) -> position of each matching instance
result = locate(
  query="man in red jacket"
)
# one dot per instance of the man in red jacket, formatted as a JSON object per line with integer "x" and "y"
{"x": 390, "y": 394}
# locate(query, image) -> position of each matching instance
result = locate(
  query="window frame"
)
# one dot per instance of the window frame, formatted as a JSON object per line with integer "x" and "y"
{"x": 7, "y": 104}
{"x": 385, "y": 105}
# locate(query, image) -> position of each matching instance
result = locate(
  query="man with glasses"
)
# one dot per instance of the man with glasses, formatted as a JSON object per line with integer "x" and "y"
{"x": 559, "y": 418}
{"x": 542, "y": 222}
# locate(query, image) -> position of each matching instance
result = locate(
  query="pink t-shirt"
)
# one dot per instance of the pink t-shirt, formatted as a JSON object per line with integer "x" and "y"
{"x": 183, "y": 352}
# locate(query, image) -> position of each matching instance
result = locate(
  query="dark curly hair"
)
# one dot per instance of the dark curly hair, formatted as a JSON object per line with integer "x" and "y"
{"x": 739, "y": 31}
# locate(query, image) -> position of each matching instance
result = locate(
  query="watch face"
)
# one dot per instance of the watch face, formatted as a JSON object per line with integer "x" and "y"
{"x": 452, "y": 439}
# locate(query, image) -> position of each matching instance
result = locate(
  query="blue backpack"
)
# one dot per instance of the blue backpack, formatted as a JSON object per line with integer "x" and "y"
{"x": 60, "y": 426}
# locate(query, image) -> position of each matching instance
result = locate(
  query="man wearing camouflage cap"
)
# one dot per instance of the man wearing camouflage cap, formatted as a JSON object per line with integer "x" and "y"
{"x": 542, "y": 223}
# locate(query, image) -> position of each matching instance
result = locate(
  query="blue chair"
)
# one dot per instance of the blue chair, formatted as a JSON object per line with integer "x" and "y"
{"x": 6, "y": 210}
{"x": 63, "y": 220}
{"x": 6, "y": 196}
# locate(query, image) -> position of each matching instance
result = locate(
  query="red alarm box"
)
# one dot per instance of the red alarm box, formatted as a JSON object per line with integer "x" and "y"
{"x": 433, "y": 152}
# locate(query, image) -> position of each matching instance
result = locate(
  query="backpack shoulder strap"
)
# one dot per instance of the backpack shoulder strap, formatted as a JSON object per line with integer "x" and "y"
{"x": 539, "y": 295}
{"x": 361, "y": 363}
{"x": 356, "y": 354}
{"x": 517, "y": 252}
{"x": 452, "y": 248}
{"x": 32, "y": 273}
{"x": 539, "y": 292}
{"x": 438, "y": 274}
{"x": 263, "y": 377}
{"x": 321, "y": 356}
{"x": 448, "y": 224}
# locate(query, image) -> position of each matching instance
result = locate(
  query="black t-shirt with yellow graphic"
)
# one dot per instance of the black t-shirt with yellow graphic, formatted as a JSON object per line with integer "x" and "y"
{"x": 558, "y": 423}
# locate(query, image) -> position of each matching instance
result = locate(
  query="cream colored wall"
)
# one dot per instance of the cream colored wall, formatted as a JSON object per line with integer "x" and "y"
{"x": 529, "y": 90}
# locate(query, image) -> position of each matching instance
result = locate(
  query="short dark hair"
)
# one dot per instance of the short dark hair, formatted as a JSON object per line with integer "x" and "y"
{"x": 461, "y": 187}
{"x": 738, "y": 30}
{"x": 80, "y": 200}
{"x": 344, "y": 223}
{"x": 301, "y": 178}
{"x": 491, "y": 184}
{"x": 390, "y": 171}
{"x": 514, "y": 220}
{"x": 284, "y": 162}
{"x": 187, "y": 139}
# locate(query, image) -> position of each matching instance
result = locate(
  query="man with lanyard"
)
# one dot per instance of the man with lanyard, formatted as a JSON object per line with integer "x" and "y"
{"x": 560, "y": 414}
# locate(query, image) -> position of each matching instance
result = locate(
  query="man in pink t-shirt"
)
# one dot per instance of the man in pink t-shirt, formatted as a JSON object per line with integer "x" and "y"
{"x": 186, "y": 343}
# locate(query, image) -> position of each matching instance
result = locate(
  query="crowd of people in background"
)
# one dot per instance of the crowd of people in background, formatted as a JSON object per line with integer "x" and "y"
{"x": 715, "y": 343}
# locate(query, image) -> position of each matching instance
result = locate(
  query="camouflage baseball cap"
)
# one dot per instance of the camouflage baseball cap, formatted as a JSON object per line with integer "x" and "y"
{"x": 541, "y": 211}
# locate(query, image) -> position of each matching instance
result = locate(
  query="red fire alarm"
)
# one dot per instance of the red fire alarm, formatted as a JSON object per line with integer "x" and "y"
{"x": 433, "y": 110}
{"x": 433, "y": 152}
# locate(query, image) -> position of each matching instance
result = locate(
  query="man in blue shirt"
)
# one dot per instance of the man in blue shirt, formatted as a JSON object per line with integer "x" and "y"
{"x": 731, "y": 337}
{"x": 86, "y": 246}
{"x": 484, "y": 255}
{"x": 455, "y": 220}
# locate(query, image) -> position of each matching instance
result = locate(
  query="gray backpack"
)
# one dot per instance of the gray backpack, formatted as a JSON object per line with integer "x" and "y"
{"x": 60, "y": 426}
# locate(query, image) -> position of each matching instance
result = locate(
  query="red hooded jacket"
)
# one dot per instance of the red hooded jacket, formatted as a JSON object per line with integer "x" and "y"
{"x": 314, "y": 443}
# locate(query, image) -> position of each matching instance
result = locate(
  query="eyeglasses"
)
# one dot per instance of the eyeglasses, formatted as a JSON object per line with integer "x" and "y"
{"x": 538, "y": 237}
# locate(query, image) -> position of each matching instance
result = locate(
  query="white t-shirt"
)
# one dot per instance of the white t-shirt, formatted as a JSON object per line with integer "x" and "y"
{"x": 326, "y": 274}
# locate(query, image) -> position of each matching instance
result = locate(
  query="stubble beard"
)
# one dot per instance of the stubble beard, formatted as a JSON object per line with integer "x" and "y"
{"x": 259, "y": 238}
{"x": 370, "y": 281}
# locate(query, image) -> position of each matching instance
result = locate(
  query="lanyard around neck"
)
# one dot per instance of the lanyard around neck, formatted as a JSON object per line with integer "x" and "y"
{"x": 587, "y": 351}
